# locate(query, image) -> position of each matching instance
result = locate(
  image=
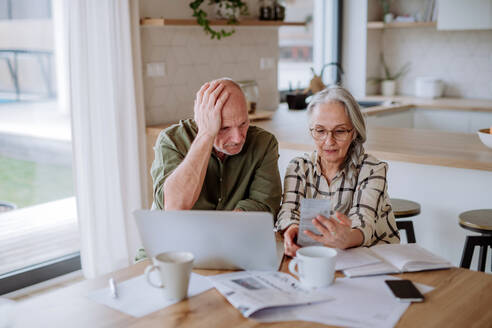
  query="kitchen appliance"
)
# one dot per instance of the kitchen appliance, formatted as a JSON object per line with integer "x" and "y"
{"x": 252, "y": 94}
{"x": 428, "y": 87}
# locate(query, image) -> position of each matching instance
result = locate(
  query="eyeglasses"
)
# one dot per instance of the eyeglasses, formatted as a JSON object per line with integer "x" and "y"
{"x": 321, "y": 134}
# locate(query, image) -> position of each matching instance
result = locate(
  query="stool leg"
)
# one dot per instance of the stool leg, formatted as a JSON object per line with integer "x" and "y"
{"x": 408, "y": 227}
{"x": 467, "y": 255}
{"x": 482, "y": 258}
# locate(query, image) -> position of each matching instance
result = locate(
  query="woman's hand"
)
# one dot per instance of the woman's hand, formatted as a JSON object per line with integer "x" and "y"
{"x": 337, "y": 234}
{"x": 290, "y": 247}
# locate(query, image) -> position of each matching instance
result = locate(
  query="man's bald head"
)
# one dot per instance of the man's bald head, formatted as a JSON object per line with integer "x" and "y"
{"x": 235, "y": 122}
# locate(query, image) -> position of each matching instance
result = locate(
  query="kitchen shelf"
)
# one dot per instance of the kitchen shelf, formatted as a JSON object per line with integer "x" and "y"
{"x": 147, "y": 21}
{"x": 382, "y": 25}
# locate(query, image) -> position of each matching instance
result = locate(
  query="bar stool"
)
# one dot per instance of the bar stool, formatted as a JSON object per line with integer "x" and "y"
{"x": 403, "y": 208}
{"x": 477, "y": 221}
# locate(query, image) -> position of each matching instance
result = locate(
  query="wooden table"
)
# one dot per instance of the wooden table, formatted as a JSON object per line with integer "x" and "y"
{"x": 462, "y": 298}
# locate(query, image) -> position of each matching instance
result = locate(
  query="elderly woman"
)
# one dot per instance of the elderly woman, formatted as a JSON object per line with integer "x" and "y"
{"x": 338, "y": 170}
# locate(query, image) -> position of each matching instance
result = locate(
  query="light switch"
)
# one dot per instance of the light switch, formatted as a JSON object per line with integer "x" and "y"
{"x": 266, "y": 63}
{"x": 156, "y": 69}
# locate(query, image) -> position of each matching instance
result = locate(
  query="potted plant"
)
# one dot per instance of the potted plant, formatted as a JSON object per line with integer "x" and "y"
{"x": 387, "y": 16}
{"x": 224, "y": 9}
{"x": 388, "y": 82}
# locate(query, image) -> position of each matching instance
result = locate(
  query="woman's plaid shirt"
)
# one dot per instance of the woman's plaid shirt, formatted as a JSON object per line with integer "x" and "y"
{"x": 363, "y": 198}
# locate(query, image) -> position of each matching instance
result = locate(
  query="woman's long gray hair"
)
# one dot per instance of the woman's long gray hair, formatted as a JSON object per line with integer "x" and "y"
{"x": 343, "y": 96}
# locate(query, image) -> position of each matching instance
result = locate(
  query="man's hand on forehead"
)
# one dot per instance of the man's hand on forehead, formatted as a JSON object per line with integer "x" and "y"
{"x": 209, "y": 101}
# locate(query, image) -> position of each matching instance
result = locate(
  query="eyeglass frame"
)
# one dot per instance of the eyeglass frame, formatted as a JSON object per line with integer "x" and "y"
{"x": 332, "y": 132}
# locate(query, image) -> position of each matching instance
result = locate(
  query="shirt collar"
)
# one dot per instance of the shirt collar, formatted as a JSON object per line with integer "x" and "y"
{"x": 317, "y": 166}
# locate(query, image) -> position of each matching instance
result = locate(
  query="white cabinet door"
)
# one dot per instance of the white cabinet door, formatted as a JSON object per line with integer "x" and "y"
{"x": 464, "y": 15}
{"x": 442, "y": 120}
{"x": 480, "y": 120}
{"x": 403, "y": 119}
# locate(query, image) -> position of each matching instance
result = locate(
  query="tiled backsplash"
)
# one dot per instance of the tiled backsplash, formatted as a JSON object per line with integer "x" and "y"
{"x": 191, "y": 58}
{"x": 462, "y": 59}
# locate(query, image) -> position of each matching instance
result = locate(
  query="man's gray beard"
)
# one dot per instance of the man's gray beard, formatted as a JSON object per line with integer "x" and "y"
{"x": 226, "y": 152}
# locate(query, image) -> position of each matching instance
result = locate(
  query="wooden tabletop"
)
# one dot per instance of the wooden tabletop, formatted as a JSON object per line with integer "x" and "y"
{"x": 420, "y": 146}
{"x": 461, "y": 298}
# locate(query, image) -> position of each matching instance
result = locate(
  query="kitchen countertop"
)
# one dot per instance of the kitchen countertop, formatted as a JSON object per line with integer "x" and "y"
{"x": 430, "y": 147}
{"x": 406, "y": 102}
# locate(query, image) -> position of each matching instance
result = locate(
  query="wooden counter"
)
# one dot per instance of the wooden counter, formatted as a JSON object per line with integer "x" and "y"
{"x": 406, "y": 145}
{"x": 405, "y": 102}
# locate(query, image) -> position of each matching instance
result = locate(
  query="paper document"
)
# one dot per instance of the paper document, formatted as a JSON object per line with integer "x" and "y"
{"x": 362, "y": 302}
{"x": 310, "y": 209}
{"x": 137, "y": 298}
{"x": 250, "y": 291}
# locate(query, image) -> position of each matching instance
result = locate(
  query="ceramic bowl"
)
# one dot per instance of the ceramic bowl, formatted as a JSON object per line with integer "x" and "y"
{"x": 485, "y": 137}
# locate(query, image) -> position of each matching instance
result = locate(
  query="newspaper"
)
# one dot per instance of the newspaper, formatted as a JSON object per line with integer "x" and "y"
{"x": 310, "y": 209}
{"x": 251, "y": 291}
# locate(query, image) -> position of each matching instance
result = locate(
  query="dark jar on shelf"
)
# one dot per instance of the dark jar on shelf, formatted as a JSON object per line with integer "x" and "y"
{"x": 266, "y": 10}
{"x": 278, "y": 11}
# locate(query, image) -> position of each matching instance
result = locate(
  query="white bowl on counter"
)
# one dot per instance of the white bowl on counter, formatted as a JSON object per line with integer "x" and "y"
{"x": 428, "y": 87}
{"x": 485, "y": 137}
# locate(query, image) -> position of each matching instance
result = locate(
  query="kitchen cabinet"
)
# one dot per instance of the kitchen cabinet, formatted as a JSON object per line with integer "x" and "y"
{"x": 464, "y": 15}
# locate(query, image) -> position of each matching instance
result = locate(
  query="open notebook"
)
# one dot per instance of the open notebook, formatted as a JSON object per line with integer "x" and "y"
{"x": 396, "y": 258}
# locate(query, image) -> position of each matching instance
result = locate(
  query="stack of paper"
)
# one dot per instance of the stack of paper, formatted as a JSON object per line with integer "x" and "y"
{"x": 251, "y": 291}
{"x": 137, "y": 298}
{"x": 362, "y": 302}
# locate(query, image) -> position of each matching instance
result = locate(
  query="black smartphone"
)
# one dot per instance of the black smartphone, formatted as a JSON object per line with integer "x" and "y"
{"x": 405, "y": 290}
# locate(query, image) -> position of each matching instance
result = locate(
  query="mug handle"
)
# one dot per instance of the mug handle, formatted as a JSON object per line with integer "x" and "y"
{"x": 292, "y": 267}
{"x": 148, "y": 270}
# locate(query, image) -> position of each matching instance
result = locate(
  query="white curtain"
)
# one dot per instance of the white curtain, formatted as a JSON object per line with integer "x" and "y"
{"x": 106, "y": 128}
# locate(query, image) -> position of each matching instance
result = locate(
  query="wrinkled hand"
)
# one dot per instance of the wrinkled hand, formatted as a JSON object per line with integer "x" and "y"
{"x": 290, "y": 247}
{"x": 333, "y": 233}
{"x": 209, "y": 102}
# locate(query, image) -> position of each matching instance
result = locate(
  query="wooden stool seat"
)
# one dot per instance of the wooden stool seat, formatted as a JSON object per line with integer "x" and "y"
{"x": 403, "y": 208}
{"x": 477, "y": 221}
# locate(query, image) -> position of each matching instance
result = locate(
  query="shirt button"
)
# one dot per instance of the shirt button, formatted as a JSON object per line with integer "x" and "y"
{"x": 220, "y": 199}
{"x": 220, "y": 179}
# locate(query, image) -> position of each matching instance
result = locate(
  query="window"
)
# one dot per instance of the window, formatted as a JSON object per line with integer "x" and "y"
{"x": 38, "y": 225}
{"x": 303, "y": 48}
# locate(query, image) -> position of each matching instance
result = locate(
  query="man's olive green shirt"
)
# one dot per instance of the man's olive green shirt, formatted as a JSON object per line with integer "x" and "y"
{"x": 249, "y": 181}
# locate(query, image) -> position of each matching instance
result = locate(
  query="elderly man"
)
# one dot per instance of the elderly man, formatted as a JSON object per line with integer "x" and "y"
{"x": 217, "y": 161}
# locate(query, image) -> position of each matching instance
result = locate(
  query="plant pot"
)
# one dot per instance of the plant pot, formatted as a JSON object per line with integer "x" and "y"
{"x": 388, "y": 18}
{"x": 296, "y": 100}
{"x": 388, "y": 87}
{"x": 222, "y": 11}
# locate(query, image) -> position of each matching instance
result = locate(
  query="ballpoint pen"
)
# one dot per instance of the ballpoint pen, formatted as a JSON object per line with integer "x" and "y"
{"x": 112, "y": 288}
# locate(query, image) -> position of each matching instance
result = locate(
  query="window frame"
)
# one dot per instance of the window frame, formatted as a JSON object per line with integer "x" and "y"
{"x": 324, "y": 49}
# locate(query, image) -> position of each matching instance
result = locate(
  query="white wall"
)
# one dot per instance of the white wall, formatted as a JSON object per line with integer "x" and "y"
{"x": 191, "y": 58}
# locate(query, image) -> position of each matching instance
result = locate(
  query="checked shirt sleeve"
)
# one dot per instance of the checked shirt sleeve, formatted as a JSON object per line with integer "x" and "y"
{"x": 294, "y": 191}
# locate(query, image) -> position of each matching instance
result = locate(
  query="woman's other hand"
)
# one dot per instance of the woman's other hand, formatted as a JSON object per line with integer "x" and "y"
{"x": 290, "y": 247}
{"x": 336, "y": 233}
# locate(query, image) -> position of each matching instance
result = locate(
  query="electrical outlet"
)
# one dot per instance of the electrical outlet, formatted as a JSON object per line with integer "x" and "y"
{"x": 156, "y": 69}
{"x": 266, "y": 63}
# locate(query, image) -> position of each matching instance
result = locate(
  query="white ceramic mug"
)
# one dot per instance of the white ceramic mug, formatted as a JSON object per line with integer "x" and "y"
{"x": 315, "y": 264}
{"x": 174, "y": 271}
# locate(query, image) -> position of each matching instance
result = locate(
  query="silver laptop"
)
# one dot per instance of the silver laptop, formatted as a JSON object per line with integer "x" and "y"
{"x": 217, "y": 239}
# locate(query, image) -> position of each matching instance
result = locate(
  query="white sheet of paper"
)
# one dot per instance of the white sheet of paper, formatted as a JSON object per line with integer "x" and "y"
{"x": 354, "y": 257}
{"x": 361, "y": 302}
{"x": 310, "y": 208}
{"x": 137, "y": 298}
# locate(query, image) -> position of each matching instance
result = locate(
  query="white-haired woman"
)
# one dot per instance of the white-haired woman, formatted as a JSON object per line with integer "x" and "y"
{"x": 338, "y": 170}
